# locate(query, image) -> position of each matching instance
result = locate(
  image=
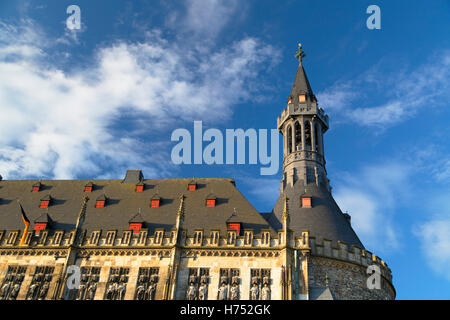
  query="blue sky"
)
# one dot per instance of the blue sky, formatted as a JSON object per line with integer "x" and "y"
{"x": 93, "y": 102}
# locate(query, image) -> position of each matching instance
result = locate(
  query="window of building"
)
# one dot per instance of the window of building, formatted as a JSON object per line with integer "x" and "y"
{"x": 234, "y": 226}
{"x": 110, "y": 237}
{"x": 265, "y": 238}
{"x": 57, "y": 237}
{"x": 36, "y": 187}
{"x": 158, "y": 237}
{"x": 143, "y": 237}
{"x": 88, "y": 187}
{"x": 12, "y": 237}
{"x": 40, "y": 226}
{"x": 306, "y": 202}
{"x": 126, "y": 237}
{"x": 192, "y": 186}
{"x": 135, "y": 227}
{"x": 301, "y": 97}
{"x": 248, "y": 237}
{"x": 100, "y": 202}
{"x": 215, "y": 237}
{"x": 198, "y": 237}
{"x": 139, "y": 187}
{"x": 231, "y": 239}
{"x": 94, "y": 237}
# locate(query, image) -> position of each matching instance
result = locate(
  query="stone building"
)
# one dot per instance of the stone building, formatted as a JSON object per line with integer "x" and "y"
{"x": 195, "y": 239}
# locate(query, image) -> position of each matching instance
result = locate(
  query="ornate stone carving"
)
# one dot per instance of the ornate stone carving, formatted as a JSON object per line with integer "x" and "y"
{"x": 146, "y": 283}
{"x": 117, "y": 284}
{"x": 40, "y": 283}
{"x": 12, "y": 282}
{"x": 260, "y": 284}
{"x": 88, "y": 283}
{"x": 198, "y": 290}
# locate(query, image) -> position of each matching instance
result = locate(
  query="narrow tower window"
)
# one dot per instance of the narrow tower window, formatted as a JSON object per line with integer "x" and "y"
{"x": 308, "y": 135}
{"x": 298, "y": 136}
{"x": 289, "y": 139}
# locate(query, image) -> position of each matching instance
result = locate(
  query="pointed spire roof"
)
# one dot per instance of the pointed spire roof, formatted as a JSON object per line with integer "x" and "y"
{"x": 301, "y": 82}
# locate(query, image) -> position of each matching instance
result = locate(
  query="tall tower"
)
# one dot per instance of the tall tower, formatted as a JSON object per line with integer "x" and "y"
{"x": 302, "y": 124}
{"x": 323, "y": 254}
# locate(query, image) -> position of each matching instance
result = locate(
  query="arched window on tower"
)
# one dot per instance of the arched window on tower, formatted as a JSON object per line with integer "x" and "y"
{"x": 289, "y": 140}
{"x": 308, "y": 135}
{"x": 298, "y": 136}
{"x": 317, "y": 135}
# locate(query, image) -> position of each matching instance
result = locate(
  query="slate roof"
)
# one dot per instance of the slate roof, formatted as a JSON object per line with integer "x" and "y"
{"x": 321, "y": 293}
{"x": 123, "y": 203}
{"x": 301, "y": 85}
{"x": 324, "y": 220}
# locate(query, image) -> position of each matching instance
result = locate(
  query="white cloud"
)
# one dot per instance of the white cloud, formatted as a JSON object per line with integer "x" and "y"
{"x": 405, "y": 93}
{"x": 434, "y": 237}
{"x": 371, "y": 196}
{"x": 63, "y": 123}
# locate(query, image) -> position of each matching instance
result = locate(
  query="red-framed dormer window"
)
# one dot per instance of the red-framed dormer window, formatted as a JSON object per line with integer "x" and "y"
{"x": 210, "y": 202}
{"x": 44, "y": 203}
{"x": 234, "y": 226}
{"x": 192, "y": 186}
{"x": 36, "y": 187}
{"x": 306, "y": 202}
{"x": 154, "y": 203}
{"x": 100, "y": 203}
{"x": 139, "y": 188}
{"x": 40, "y": 226}
{"x": 135, "y": 227}
{"x": 87, "y": 188}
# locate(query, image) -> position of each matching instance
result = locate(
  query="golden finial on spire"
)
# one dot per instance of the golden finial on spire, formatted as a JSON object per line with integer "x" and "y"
{"x": 300, "y": 54}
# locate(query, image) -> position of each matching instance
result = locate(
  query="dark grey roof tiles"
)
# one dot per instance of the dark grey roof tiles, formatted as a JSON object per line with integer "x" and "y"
{"x": 124, "y": 202}
{"x": 324, "y": 220}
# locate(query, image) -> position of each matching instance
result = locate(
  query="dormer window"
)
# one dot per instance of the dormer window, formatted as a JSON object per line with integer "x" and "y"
{"x": 301, "y": 98}
{"x": 290, "y": 100}
{"x": 135, "y": 227}
{"x": 36, "y": 187}
{"x": 306, "y": 202}
{"x": 234, "y": 226}
{"x": 45, "y": 202}
{"x": 139, "y": 187}
{"x": 211, "y": 200}
{"x": 88, "y": 187}
{"x": 39, "y": 226}
{"x": 136, "y": 222}
{"x": 192, "y": 186}
{"x": 101, "y": 201}
{"x": 155, "y": 201}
